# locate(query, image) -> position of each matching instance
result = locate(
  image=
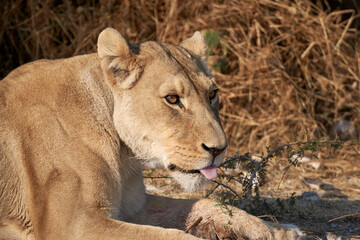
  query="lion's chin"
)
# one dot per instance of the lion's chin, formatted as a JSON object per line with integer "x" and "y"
{"x": 190, "y": 181}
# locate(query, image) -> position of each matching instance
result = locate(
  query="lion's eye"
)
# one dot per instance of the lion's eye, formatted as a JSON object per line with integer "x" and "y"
{"x": 212, "y": 94}
{"x": 172, "y": 99}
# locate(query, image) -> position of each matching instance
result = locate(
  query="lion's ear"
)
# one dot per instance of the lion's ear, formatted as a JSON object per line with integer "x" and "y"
{"x": 118, "y": 61}
{"x": 197, "y": 45}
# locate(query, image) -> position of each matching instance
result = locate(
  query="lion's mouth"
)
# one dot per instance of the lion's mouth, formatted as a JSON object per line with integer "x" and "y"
{"x": 173, "y": 167}
{"x": 209, "y": 172}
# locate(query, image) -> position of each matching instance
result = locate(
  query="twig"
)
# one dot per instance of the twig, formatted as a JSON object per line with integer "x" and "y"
{"x": 253, "y": 175}
{"x": 344, "y": 216}
{"x": 194, "y": 224}
{"x": 273, "y": 218}
{"x": 283, "y": 175}
{"x": 238, "y": 159}
{"x": 211, "y": 191}
{"x": 226, "y": 186}
{"x": 258, "y": 164}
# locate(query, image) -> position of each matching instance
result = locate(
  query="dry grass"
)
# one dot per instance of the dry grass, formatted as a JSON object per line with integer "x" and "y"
{"x": 297, "y": 70}
{"x": 289, "y": 67}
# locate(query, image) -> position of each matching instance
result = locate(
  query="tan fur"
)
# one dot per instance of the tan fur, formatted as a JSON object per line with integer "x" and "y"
{"x": 75, "y": 132}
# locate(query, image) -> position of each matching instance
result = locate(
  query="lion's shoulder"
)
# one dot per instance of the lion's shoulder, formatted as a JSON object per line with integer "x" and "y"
{"x": 46, "y": 78}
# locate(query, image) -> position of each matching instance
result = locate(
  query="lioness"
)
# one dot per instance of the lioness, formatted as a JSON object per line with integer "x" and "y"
{"x": 75, "y": 132}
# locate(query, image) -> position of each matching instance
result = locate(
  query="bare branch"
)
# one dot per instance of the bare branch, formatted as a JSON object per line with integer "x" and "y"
{"x": 344, "y": 216}
{"x": 194, "y": 224}
{"x": 251, "y": 180}
{"x": 226, "y": 186}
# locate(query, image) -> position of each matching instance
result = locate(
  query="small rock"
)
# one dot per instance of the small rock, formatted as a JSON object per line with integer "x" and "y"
{"x": 316, "y": 165}
{"x": 289, "y": 181}
{"x": 331, "y": 236}
{"x": 344, "y": 129}
{"x": 309, "y": 196}
{"x": 312, "y": 182}
{"x": 256, "y": 158}
{"x": 305, "y": 159}
{"x": 327, "y": 187}
{"x": 334, "y": 194}
{"x": 300, "y": 159}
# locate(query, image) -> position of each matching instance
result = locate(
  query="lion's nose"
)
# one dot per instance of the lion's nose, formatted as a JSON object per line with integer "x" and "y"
{"x": 213, "y": 151}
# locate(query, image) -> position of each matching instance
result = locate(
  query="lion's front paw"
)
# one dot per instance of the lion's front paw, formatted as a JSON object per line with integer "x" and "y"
{"x": 232, "y": 227}
{"x": 230, "y": 222}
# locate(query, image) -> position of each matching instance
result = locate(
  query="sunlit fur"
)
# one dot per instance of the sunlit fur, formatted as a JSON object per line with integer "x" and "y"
{"x": 75, "y": 133}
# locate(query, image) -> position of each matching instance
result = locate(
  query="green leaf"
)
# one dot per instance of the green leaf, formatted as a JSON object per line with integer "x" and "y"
{"x": 212, "y": 39}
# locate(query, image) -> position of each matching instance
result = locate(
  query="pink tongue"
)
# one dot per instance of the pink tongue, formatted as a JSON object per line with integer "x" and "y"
{"x": 209, "y": 172}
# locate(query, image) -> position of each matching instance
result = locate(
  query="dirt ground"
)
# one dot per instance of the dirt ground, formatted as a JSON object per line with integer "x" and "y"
{"x": 321, "y": 196}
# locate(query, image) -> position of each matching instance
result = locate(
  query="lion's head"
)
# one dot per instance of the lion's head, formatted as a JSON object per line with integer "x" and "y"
{"x": 166, "y": 104}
